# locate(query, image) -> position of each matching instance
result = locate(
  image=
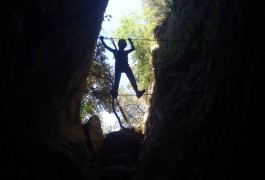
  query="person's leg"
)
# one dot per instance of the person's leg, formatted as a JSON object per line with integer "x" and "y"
{"x": 131, "y": 78}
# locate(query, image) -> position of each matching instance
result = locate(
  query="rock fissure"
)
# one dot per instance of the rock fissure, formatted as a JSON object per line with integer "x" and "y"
{"x": 206, "y": 114}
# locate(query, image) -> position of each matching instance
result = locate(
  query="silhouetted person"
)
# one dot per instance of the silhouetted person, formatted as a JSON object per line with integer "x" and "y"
{"x": 122, "y": 66}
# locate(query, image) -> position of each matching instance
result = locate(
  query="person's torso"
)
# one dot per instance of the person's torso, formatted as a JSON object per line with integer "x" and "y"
{"x": 121, "y": 58}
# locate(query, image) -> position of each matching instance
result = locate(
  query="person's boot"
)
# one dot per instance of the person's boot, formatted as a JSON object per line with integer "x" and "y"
{"x": 114, "y": 94}
{"x": 140, "y": 93}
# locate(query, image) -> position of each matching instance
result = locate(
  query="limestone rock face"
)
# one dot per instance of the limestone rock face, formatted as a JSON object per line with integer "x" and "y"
{"x": 206, "y": 117}
{"x": 120, "y": 153}
{"x": 94, "y": 135}
{"x": 46, "y": 50}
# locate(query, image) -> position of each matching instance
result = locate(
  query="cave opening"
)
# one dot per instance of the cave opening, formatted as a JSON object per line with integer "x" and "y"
{"x": 123, "y": 19}
{"x": 204, "y": 75}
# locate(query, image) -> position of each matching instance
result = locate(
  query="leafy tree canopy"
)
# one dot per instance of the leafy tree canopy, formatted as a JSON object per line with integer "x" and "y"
{"x": 139, "y": 25}
{"x": 97, "y": 93}
{"x": 160, "y": 7}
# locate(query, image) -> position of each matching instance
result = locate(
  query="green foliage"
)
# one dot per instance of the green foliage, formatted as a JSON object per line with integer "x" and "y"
{"x": 139, "y": 25}
{"x": 99, "y": 83}
{"x": 106, "y": 128}
{"x": 136, "y": 25}
{"x": 160, "y": 8}
{"x": 133, "y": 108}
{"x": 86, "y": 108}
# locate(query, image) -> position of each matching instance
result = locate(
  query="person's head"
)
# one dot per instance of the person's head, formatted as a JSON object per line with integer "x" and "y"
{"x": 122, "y": 44}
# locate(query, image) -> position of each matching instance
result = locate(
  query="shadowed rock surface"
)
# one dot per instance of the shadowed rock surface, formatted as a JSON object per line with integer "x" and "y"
{"x": 46, "y": 51}
{"x": 206, "y": 118}
{"x": 120, "y": 153}
{"x": 94, "y": 136}
{"x": 206, "y": 115}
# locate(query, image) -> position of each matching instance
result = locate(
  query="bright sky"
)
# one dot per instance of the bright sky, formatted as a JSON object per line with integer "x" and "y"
{"x": 116, "y": 8}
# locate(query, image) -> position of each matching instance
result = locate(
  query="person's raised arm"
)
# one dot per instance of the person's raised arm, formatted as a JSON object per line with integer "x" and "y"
{"x": 132, "y": 46}
{"x": 105, "y": 45}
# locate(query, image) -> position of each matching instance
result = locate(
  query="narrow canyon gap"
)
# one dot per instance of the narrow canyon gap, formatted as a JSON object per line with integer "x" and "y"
{"x": 206, "y": 114}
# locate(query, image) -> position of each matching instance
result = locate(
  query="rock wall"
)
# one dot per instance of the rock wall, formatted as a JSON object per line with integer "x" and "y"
{"x": 94, "y": 136}
{"x": 46, "y": 50}
{"x": 206, "y": 117}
